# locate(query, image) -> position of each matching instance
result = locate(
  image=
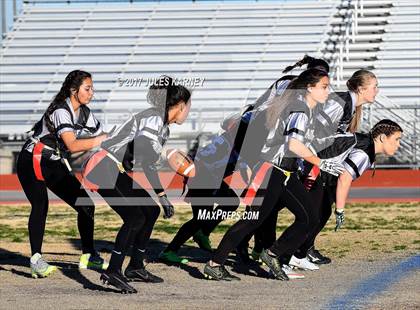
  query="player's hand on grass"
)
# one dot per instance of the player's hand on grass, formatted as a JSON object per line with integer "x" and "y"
{"x": 167, "y": 206}
{"x": 339, "y": 218}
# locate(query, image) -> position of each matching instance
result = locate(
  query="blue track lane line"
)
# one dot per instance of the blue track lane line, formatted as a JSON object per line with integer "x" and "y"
{"x": 360, "y": 294}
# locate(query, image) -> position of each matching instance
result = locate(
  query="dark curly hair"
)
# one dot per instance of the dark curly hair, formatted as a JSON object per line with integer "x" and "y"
{"x": 386, "y": 127}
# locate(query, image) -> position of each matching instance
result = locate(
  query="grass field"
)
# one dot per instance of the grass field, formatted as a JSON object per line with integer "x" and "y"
{"x": 370, "y": 228}
{"x": 369, "y": 268}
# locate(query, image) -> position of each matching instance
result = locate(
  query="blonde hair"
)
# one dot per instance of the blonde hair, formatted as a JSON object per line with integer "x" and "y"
{"x": 359, "y": 78}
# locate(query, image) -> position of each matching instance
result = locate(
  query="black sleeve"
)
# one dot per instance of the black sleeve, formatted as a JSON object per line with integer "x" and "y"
{"x": 237, "y": 137}
{"x": 146, "y": 156}
{"x": 251, "y": 137}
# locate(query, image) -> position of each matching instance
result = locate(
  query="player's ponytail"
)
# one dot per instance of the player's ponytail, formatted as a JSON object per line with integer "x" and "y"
{"x": 311, "y": 62}
{"x": 359, "y": 79}
{"x": 165, "y": 93}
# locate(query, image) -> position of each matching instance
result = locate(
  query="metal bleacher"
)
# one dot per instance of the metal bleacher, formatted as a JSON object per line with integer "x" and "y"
{"x": 398, "y": 62}
{"x": 387, "y": 41}
{"x": 238, "y": 48}
{"x": 398, "y": 66}
{"x": 382, "y": 36}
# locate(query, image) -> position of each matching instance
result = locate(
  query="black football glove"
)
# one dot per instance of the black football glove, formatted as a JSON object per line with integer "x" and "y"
{"x": 167, "y": 206}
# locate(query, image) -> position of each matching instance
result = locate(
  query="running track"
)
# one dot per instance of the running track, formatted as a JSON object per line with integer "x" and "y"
{"x": 384, "y": 186}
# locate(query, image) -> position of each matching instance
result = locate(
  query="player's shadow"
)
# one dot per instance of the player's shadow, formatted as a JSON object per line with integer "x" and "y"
{"x": 12, "y": 259}
{"x": 197, "y": 255}
{"x": 154, "y": 248}
{"x": 101, "y": 246}
{"x": 252, "y": 269}
{"x": 193, "y": 254}
{"x": 248, "y": 267}
{"x": 69, "y": 269}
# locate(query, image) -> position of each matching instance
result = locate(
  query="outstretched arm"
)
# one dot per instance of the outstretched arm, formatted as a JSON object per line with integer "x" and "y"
{"x": 77, "y": 145}
{"x": 303, "y": 152}
{"x": 343, "y": 188}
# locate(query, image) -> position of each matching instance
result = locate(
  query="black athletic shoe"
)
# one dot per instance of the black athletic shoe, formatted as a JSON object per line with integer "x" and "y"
{"x": 116, "y": 279}
{"x": 141, "y": 275}
{"x": 218, "y": 273}
{"x": 273, "y": 263}
{"x": 317, "y": 258}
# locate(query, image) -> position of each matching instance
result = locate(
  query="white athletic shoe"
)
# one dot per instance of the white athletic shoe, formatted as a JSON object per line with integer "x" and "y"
{"x": 39, "y": 267}
{"x": 302, "y": 263}
{"x": 288, "y": 270}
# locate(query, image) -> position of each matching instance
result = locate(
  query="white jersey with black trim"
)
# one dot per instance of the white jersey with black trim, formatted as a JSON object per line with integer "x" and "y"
{"x": 334, "y": 117}
{"x": 355, "y": 151}
{"x": 82, "y": 123}
{"x": 275, "y": 90}
{"x": 278, "y": 90}
{"x": 338, "y": 112}
{"x": 340, "y": 146}
{"x": 298, "y": 125}
{"x": 357, "y": 162}
{"x": 148, "y": 123}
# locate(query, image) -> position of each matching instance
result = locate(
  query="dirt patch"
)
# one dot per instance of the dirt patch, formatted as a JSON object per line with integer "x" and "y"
{"x": 375, "y": 237}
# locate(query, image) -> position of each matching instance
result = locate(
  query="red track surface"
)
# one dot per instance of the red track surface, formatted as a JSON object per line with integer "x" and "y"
{"x": 382, "y": 178}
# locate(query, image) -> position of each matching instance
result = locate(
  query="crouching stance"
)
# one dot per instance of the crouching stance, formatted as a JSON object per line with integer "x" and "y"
{"x": 43, "y": 164}
{"x": 137, "y": 142}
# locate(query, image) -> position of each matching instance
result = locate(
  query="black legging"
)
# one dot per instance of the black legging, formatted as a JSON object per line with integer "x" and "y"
{"x": 265, "y": 235}
{"x": 325, "y": 196}
{"x": 306, "y": 211}
{"x": 133, "y": 204}
{"x": 64, "y": 185}
{"x": 242, "y": 228}
{"x": 225, "y": 197}
{"x": 295, "y": 198}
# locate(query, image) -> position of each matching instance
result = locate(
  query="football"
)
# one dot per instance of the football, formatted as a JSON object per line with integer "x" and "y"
{"x": 180, "y": 162}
